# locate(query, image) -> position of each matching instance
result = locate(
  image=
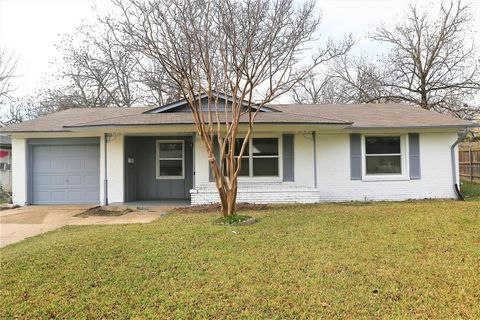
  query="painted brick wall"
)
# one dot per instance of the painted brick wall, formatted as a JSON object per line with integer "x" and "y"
{"x": 333, "y": 175}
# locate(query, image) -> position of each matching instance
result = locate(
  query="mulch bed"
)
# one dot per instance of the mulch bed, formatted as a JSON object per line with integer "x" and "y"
{"x": 243, "y": 206}
{"x": 101, "y": 212}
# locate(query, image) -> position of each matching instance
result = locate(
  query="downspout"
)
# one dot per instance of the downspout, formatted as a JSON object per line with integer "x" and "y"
{"x": 314, "y": 136}
{"x": 454, "y": 166}
{"x": 194, "y": 138}
{"x": 105, "y": 182}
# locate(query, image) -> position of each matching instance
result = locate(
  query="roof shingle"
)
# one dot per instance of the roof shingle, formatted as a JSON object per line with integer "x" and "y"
{"x": 347, "y": 115}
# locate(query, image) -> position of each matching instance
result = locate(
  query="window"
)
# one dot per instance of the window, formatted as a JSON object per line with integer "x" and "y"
{"x": 264, "y": 157}
{"x": 260, "y": 159}
{"x": 170, "y": 159}
{"x": 383, "y": 155}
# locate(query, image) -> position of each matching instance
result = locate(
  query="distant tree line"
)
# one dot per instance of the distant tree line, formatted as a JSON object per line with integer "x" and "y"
{"x": 432, "y": 61}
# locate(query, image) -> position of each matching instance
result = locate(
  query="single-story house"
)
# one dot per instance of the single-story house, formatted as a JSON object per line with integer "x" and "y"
{"x": 298, "y": 153}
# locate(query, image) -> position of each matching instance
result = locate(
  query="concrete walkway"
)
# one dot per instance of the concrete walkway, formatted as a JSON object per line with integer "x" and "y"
{"x": 24, "y": 222}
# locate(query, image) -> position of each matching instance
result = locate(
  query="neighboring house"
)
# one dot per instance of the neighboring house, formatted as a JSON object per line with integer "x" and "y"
{"x": 5, "y": 163}
{"x": 298, "y": 153}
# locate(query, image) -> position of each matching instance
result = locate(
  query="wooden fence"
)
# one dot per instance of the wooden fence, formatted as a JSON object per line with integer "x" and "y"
{"x": 469, "y": 161}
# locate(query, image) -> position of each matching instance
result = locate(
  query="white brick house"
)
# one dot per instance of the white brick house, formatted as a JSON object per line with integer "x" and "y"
{"x": 298, "y": 153}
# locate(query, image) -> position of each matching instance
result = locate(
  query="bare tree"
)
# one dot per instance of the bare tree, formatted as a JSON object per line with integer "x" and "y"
{"x": 357, "y": 80}
{"x": 247, "y": 50}
{"x": 433, "y": 61}
{"x": 99, "y": 71}
{"x": 346, "y": 80}
{"x": 17, "y": 110}
{"x": 315, "y": 88}
{"x": 8, "y": 64}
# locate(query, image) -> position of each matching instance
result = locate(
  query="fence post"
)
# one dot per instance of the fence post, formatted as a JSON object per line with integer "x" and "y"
{"x": 470, "y": 161}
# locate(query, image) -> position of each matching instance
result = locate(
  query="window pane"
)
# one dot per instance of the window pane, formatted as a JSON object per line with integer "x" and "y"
{"x": 238, "y": 147}
{"x": 243, "y": 170}
{"x": 382, "y": 145}
{"x": 263, "y": 167}
{"x": 265, "y": 146}
{"x": 170, "y": 150}
{"x": 384, "y": 165}
{"x": 171, "y": 168}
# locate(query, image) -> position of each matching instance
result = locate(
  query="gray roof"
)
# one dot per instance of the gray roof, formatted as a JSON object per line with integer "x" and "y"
{"x": 360, "y": 116}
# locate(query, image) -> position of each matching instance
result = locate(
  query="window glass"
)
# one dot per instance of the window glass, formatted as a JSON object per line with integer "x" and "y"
{"x": 170, "y": 159}
{"x": 171, "y": 168}
{"x": 264, "y": 167}
{"x": 384, "y": 165}
{"x": 244, "y": 170}
{"x": 382, "y": 145}
{"x": 260, "y": 159}
{"x": 265, "y": 146}
{"x": 238, "y": 147}
{"x": 170, "y": 150}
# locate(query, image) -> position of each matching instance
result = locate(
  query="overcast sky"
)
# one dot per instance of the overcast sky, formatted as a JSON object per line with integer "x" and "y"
{"x": 30, "y": 28}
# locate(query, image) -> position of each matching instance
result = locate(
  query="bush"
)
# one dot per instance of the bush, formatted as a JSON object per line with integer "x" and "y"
{"x": 5, "y": 195}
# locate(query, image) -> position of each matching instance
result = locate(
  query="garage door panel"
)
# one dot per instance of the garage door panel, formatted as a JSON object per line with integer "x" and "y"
{"x": 91, "y": 180}
{"x": 73, "y": 181}
{"x": 57, "y": 196}
{"x": 74, "y": 164}
{"x": 63, "y": 174}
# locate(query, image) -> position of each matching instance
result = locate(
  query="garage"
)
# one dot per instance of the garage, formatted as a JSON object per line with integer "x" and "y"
{"x": 64, "y": 171}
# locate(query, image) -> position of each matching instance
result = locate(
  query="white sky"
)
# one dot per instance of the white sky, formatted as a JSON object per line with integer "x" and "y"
{"x": 30, "y": 28}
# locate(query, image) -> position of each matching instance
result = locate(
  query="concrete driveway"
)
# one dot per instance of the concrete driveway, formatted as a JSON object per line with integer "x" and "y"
{"x": 24, "y": 222}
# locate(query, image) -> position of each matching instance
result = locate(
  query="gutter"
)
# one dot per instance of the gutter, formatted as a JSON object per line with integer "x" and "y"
{"x": 314, "y": 136}
{"x": 461, "y": 136}
{"x": 105, "y": 182}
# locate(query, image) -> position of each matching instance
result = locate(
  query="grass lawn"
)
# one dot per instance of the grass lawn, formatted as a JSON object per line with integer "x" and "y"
{"x": 470, "y": 190}
{"x": 383, "y": 260}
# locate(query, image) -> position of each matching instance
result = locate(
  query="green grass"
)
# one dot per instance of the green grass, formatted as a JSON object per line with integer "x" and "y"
{"x": 470, "y": 190}
{"x": 383, "y": 260}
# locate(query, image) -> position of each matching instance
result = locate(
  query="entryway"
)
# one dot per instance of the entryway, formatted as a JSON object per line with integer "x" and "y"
{"x": 158, "y": 168}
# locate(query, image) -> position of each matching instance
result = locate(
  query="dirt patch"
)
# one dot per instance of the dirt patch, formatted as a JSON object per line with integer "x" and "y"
{"x": 103, "y": 212}
{"x": 36, "y": 217}
{"x": 244, "y": 206}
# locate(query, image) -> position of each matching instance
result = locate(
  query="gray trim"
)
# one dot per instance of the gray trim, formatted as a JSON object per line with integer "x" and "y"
{"x": 314, "y": 137}
{"x": 194, "y": 167}
{"x": 183, "y": 102}
{"x": 355, "y": 156}
{"x": 449, "y": 126}
{"x": 63, "y": 141}
{"x": 106, "y": 137}
{"x": 288, "y": 157}
{"x": 414, "y": 155}
{"x": 343, "y": 124}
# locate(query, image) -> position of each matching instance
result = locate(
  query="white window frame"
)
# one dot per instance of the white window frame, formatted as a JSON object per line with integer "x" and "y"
{"x": 250, "y": 157}
{"x": 157, "y": 166}
{"x": 404, "y": 175}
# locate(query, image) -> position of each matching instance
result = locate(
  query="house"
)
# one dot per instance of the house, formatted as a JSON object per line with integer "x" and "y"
{"x": 298, "y": 153}
{"x": 5, "y": 163}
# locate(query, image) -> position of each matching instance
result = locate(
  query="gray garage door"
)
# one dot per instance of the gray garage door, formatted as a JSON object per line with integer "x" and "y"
{"x": 65, "y": 173}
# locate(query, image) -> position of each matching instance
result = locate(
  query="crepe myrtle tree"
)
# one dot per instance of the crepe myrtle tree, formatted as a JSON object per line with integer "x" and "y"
{"x": 252, "y": 51}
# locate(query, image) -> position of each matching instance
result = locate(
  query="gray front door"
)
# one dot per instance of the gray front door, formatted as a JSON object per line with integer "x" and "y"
{"x": 65, "y": 174}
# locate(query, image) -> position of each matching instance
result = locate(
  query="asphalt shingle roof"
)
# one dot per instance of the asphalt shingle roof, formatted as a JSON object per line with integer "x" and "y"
{"x": 347, "y": 115}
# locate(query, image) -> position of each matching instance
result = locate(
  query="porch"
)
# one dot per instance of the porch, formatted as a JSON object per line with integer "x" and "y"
{"x": 158, "y": 170}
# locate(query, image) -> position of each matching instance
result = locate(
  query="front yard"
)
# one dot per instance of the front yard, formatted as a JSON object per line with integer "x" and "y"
{"x": 383, "y": 260}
